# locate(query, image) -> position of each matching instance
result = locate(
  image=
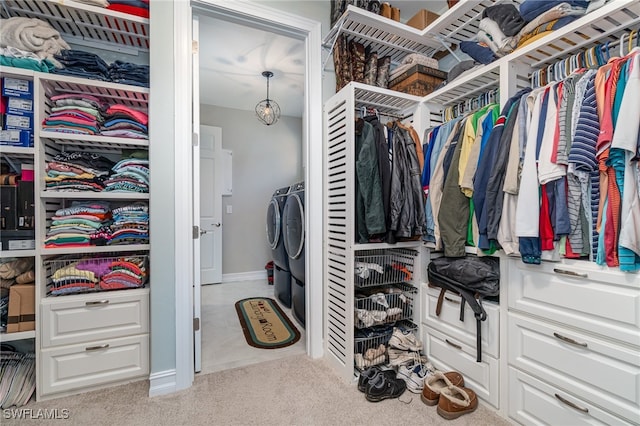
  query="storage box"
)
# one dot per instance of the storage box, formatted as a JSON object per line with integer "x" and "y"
{"x": 22, "y": 308}
{"x": 19, "y": 121}
{"x": 8, "y": 207}
{"x": 26, "y": 205}
{"x": 418, "y": 80}
{"x": 16, "y": 137}
{"x": 14, "y": 105}
{"x": 422, "y": 19}
{"x": 17, "y": 87}
{"x": 18, "y": 239}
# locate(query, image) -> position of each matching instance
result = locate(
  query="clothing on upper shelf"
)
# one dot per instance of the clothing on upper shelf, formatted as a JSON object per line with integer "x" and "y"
{"x": 32, "y": 35}
{"x": 77, "y": 171}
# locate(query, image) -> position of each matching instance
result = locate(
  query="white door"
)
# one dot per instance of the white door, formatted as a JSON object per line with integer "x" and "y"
{"x": 195, "y": 182}
{"x": 211, "y": 178}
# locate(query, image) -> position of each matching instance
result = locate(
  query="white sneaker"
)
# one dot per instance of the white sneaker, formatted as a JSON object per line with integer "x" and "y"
{"x": 406, "y": 341}
{"x": 414, "y": 376}
{"x": 399, "y": 357}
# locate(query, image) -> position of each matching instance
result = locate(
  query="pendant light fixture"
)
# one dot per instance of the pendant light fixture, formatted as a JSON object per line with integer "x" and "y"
{"x": 267, "y": 110}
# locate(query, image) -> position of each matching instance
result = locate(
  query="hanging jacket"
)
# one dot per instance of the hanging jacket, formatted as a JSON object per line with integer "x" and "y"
{"x": 369, "y": 205}
{"x": 407, "y": 198}
{"x": 384, "y": 167}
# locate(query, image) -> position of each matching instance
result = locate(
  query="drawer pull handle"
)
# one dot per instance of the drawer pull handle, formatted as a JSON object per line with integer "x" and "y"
{"x": 571, "y": 404}
{"x": 569, "y": 340}
{"x": 571, "y": 273}
{"x": 448, "y": 299}
{"x": 96, "y": 348}
{"x": 97, "y": 302}
{"x": 458, "y": 347}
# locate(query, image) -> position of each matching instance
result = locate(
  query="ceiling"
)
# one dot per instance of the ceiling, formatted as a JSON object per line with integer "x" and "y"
{"x": 233, "y": 57}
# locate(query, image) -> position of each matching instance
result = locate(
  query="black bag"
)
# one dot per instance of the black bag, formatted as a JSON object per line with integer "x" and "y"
{"x": 473, "y": 278}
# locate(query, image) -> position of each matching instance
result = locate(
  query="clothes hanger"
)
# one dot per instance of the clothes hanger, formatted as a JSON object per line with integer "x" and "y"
{"x": 622, "y": 43}
{"x": 630, "y": 43}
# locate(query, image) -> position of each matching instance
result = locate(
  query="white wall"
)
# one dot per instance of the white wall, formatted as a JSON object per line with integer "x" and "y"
{"x": 264, "y": 158}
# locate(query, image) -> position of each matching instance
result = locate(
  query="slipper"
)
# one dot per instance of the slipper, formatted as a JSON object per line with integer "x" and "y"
{"x": 456, "y": 401}
{"x": 437, "y": 381}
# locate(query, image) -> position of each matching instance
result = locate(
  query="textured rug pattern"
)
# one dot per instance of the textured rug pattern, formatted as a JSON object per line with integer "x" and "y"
{"x": 264, "y": 324}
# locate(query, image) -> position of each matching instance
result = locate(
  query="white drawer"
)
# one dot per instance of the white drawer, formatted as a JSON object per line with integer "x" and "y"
{"x": 482, "y": 377}
{"x": 83, "y": 318}
{"x": 605, "y": 302}
{"x": 533, "y": 402}
{"x": 88, "y": 365}
{"x": 593, "y": 369}
{"x": 449, "y": 320}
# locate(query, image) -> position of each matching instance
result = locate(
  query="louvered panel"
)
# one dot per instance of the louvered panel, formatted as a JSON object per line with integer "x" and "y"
{"x": 338, "y": 203}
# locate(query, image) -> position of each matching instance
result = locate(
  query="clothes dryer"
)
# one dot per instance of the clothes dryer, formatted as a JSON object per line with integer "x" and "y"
{"x": 294, "y": 242}
{"x": 275, "y": 238}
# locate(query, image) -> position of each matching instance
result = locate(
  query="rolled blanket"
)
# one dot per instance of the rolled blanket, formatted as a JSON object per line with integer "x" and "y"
{"x": 32, "y": 35}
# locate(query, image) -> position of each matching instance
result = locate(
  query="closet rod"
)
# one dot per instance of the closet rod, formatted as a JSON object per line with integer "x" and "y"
{"x": 386, "y": 114}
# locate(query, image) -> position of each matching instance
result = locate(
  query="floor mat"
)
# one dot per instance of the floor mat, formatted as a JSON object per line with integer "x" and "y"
{"x": 264, "y": 324}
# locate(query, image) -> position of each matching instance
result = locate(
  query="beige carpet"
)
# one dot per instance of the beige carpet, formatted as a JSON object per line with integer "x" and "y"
{"x": 288, "y": 391}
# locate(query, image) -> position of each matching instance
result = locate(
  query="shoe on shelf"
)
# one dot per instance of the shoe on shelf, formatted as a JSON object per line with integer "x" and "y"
{"x": 414, "y": 375}
{"x": 399, "y": 357}
{"x": 456, "y": 401}
{"x": 370, "y": 374}
{"x": 362, "y": 363}
{"x": 405, "y": 340}
{"x": 435, "y": 382}
{"x": 374, "y": 353}
{"x": 383, "y": 387}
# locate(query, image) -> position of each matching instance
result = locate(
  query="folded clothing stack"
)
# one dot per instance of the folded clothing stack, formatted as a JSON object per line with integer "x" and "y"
{"x": 77, "y": 171}
{"x": 128, "y": 272}
{"x": 83, "y": 64}
{"x": 126, "y": 122}
{"x": 132, "y": 7}
{"x": 71, "y": 279}
{"x": 84, "y": 223}
{"x": 129, "y": 73}
{"x": 130, "y": 224}
{"x": 32, "y": 35}
{"x": 74, "y": 113}
{"x": 130, "y": 175}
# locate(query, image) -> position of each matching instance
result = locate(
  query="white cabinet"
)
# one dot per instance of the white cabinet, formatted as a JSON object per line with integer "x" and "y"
{"x": 573, "y": 326}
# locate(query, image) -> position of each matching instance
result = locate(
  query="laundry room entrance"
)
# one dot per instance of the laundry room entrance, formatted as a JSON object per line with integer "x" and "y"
{"x": 254, "y": 161}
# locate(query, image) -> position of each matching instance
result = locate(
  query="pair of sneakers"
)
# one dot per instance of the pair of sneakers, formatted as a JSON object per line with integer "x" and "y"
{"x": 378, "y": 384}
{"x": 398, "y": 357}
{"x": 415, "y": 375}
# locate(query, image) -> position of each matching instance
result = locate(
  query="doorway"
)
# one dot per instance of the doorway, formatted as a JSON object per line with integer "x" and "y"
{"x": 308, "y": 31}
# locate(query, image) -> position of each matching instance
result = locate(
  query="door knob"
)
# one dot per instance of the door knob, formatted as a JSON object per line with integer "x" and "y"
{"x": 217, "y": 225}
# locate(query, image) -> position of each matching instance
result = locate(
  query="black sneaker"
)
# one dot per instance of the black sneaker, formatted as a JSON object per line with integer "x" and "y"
{"x": 369, "y": 375}
{"x": 384, "y": 387}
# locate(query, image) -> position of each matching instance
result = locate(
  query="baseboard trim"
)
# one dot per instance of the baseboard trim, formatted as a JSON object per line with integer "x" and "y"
{"x": 244, "y": 276}
{"x": 162, "y": 383}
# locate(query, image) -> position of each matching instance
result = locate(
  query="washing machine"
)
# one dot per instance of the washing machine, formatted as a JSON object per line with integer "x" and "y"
{"x": 275, "y": 238}
{"x": 294, "y": 242}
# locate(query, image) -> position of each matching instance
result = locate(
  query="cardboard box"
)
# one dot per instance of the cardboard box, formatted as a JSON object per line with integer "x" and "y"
{"x": 17, "y": 88}
{"x": 418, "y": 80}
{"x": 22, "y": 308}
{"x": 422, "y": 19}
